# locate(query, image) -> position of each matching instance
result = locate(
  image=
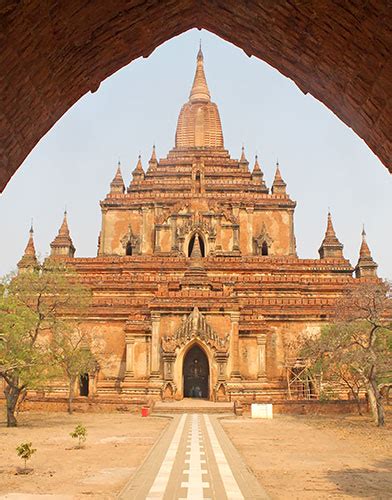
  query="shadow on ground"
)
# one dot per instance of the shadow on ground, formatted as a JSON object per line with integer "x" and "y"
{"x": 359, "y": 481}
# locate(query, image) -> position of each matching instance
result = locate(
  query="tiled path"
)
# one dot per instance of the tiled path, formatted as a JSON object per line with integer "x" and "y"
{"x": 194, "y": 459}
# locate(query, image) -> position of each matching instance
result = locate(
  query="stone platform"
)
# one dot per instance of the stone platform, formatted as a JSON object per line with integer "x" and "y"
{"x": 192, "y": 405}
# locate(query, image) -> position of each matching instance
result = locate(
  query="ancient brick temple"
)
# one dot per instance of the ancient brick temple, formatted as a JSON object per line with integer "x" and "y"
{"x": 198, "y": 289}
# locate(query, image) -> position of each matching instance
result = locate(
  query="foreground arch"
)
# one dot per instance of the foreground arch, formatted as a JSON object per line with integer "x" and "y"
{"x": 54, "y": 52}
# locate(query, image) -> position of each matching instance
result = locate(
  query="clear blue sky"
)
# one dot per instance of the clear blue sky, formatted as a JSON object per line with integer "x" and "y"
{"x": 323, "y": 162}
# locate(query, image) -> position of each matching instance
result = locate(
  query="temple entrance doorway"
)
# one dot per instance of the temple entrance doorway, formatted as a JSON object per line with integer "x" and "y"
{"x": 196, "y": 374}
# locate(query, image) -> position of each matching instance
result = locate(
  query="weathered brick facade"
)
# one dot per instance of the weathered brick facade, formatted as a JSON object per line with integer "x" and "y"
{"x": 197, "y": 284}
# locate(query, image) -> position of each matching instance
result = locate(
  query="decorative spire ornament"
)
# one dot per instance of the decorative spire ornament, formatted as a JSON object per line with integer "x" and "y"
{"x": 278, "y": 186}
{"x": 366, "y": 267}
{"x": 199, "y": 91}
{"x": 258, "y": 176}
{"x": 153, "y": 155}
{"x": 243, "y": 157}
{"x": 330, "y": 246}
{"x": 29, "y": 258}
{"x": 117, "y": 184}
{"x": 138, "y": 173}
{"x": 62, "y": 245}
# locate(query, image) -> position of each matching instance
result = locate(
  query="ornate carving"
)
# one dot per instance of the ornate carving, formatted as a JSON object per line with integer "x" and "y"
{"x": 263, "y": 237}
{"x": 133, "y": 240}
{"x": 195, "y": 326}
{"x": 225, "y": 211}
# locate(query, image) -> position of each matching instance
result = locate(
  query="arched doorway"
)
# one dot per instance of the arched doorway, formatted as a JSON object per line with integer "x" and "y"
{"x": 192, "y": 244}
{"x": 196, "y": 374}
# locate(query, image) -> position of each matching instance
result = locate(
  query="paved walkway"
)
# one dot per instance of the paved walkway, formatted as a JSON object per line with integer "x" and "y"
{"x": 194, "y": 460}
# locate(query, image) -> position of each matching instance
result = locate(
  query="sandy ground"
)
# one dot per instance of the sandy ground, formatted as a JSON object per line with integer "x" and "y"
{"x": 317, "y": 457}
{"x": 116, "y": 445}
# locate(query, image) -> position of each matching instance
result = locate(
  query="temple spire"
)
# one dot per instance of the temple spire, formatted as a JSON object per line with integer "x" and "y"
{"x": 62, "y": 245}
{"x": 153, "y": 158}
{"x": 117, "y": 184}
{"x": 279, "y": 185}
{"x": 364, "y": 251}
{"x": 200, "y": 92}
{"x": 258, "y": 176}
{"x": 243, "y": 159}
{"x": 330, "y": 246}
{"x": 138, "y": 173}
{"x": 29, "y": 258}
{"x": 366, "y": 267}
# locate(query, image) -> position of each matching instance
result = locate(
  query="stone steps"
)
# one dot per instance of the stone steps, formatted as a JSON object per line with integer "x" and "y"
{"x": 192, "y": 406}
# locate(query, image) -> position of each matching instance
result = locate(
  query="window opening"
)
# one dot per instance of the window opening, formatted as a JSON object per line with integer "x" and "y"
{"x": 192, "y": 243}
{"x": 83, "y": 384}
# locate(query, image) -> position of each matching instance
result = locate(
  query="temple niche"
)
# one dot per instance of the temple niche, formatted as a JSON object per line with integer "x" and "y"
{"x": 197, "y": 286}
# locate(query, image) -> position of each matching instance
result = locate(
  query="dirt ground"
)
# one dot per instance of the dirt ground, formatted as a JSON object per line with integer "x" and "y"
{"x": 309, "y": 457}
{"x": 116, "y": 445}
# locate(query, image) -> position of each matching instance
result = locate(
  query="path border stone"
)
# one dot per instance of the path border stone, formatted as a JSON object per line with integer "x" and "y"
{"x": 139, "y": 484}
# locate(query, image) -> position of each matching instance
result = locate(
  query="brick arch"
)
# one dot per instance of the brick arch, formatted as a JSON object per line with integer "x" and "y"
{"x": 54, "y": 52}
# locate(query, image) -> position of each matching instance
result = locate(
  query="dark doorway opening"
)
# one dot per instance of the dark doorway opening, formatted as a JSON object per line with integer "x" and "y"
{"x": 83, "y": 384}
{"x": 192, "y": 243}
{"x": 128, "y": 250}
{"x": 198, "y": 182}
{"x": 264, "y": 249}
{"x": 196, "y": 374}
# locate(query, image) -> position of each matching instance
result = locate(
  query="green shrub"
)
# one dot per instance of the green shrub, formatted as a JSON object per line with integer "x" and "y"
{"x": 25, "y": 452}
{"x": 80, "y": 433}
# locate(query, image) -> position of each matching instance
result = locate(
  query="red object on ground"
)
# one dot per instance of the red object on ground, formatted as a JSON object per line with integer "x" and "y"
{"x": 144, "y": 411}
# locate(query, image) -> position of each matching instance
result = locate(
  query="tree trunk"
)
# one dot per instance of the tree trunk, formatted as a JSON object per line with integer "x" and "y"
{"x": 71, "y": 394}
{"x": 375, "y": 403}
{"x": 12, "y": 394}
{"x": 357, "y": 400}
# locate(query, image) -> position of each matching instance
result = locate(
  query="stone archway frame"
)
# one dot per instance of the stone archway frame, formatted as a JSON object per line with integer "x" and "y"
{"x": 194, "y": 330}
{"x": 179, "y": 367}
{"x": 302, "y": 40}
{"x": 202, "y": 234}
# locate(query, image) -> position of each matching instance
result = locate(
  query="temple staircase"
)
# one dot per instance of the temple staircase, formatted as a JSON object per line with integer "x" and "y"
{"x": 192, "y": 405}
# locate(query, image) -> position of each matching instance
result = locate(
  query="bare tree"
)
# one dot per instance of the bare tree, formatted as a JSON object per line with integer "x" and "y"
{"x": 357, "y": 346}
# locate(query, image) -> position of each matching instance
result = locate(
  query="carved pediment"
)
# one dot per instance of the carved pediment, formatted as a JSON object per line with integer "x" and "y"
{"x": 224, "y": 211}
{"x": 195, "y": 326}
{"x": 263, "y": 237}
{"x": 197, "y": 223}
{"x": 175, "y": 210}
